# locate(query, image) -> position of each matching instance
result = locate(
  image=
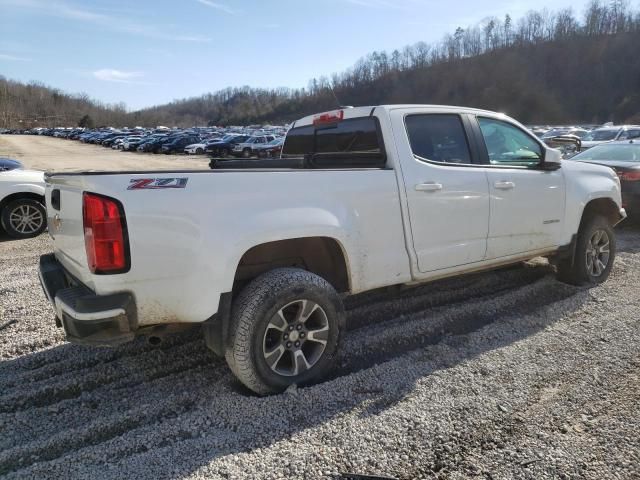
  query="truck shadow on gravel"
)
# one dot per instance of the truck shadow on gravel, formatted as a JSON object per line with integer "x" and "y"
{"x": 164, "y": 412}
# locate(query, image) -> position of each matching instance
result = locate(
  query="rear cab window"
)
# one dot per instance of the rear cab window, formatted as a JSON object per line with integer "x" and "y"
{"x": 358, "y": 141}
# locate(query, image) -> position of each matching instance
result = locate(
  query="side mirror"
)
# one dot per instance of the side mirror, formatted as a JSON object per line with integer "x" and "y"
{"x": 552, "y": 160}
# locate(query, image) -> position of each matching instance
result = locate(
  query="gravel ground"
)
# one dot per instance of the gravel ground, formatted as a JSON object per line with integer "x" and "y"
{"x": 501, "y": 375}
{"x": 48, "y": 153}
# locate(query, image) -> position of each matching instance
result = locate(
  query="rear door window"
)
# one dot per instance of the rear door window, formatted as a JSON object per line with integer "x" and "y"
{"x": 438, "y": 138}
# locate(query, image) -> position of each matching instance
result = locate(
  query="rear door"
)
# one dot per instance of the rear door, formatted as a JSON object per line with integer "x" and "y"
{"x": 446, "y": 189}
{"x": 527, "y": 203}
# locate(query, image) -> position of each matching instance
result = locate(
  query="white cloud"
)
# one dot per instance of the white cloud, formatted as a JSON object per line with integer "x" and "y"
{"x": 13, "y": 58}
{"x": 218, "y": 6}
{"x": 192, "y": 38}
{"x": 112, "y": 75}
{"x": 111, "y": 22}
{"x": 373, "y": 3}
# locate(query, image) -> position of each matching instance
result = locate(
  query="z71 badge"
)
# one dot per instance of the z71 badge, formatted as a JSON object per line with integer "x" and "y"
{"x": 156, "y": 183}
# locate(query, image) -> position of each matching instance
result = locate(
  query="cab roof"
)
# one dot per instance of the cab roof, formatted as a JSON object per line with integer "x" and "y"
{"x": 366, "y": 111}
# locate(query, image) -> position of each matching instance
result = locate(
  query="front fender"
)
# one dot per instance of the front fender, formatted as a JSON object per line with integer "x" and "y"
{"x": 584, "y": 183}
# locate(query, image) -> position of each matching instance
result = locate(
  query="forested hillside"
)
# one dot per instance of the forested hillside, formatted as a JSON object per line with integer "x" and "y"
{"x": 550, "y": 67}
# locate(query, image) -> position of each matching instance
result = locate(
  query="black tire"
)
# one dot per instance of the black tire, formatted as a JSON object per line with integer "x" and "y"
{"x": 224, "y": 152}
{"x": 24, "y": 208}
{"x": 252, "y": 335}
{"x": 585, "y": 270}
{"x": 199, "y": 151}
{"x": 246, "y": 153}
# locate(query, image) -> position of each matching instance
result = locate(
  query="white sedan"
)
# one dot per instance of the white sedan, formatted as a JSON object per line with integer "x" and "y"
{"x": 195, "y": 148}
{"x": 22, "y": 211}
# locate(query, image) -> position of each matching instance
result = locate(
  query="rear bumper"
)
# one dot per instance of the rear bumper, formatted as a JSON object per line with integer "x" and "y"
{"x": 87, "y": 318}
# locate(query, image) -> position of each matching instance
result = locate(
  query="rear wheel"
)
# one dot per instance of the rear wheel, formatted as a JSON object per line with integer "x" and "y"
{"x": 224, "y": 153}
{"x": 199, "y": 151}
{"x": 594, "y": 254}
{"x": 246, "y": 153}
{"x": 24, "y": 218}
{"x": 285, "y": 328}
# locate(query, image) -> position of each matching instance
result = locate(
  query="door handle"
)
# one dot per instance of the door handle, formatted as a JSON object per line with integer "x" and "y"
{"x": 504, "y": 185}
{"x": 428, "y": 187}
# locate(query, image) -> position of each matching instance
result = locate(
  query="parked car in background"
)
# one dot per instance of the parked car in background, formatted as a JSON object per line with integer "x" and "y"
{"x": 154, "y": 144}
{"x": 224, "y": 146}
{"x": 131, "y": 143}
{"x": 178, "y": 144}
{"x": 247, "y": 148}
{"x": 610, "y": 134}
{"x": 110, "y": 141}
{"x": 117, "y": 144}
{"x": 22, "y": 211}
{"x": 271, "y": 149}
{"x": 554, "y": 132}
{"x": 9, "y": 164}
{"x": 624, "y": 158}
{"x": 195, "y": 148}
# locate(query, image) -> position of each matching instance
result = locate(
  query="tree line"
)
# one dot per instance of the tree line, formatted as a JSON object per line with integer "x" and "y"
{"x": 547, "y": 66}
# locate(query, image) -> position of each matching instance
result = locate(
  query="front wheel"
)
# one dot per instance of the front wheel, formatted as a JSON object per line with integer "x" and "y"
{"x": 24, "y": 218}
{"x": 285, "y": 328}
{"x": 594, "y": 254}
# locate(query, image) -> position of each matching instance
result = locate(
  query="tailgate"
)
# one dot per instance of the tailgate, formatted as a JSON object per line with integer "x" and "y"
{"x": 64, "y": 213}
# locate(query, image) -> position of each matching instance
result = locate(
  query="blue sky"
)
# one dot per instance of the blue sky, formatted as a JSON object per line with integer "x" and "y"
{"x": 150, "y": 52}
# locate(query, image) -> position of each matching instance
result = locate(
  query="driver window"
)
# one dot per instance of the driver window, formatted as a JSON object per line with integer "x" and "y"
{"x": 507, "y": 145}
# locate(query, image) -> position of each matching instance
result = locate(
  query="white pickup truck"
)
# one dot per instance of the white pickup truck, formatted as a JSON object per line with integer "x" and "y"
{"x": 261, "y": 252}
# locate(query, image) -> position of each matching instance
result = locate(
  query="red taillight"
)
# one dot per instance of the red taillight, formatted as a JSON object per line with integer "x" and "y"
{"x": 630, "y": 176}
{"x": 328, "y": 117}
{"x": 105, "y": 235}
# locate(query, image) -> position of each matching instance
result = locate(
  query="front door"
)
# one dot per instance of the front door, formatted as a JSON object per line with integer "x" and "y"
{"x": 447, "y": 194}
{"x": 527, "y": 203}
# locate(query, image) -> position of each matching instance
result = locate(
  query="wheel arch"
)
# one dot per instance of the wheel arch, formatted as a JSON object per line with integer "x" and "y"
{"x": 604, "y": 206}
{"x": 324, "y": 256}
{"x": 18, "y": 195}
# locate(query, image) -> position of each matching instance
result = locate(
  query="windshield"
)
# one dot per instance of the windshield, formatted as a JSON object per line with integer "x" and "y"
{"x": 601, "y": 135}
{"x": 623, "y": 153}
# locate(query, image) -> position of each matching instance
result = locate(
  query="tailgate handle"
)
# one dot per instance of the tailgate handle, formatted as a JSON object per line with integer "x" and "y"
{"x": 55, "y": 199}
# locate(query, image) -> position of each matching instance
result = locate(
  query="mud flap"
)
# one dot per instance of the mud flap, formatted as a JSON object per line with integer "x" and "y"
{"x": 216, "y": 329}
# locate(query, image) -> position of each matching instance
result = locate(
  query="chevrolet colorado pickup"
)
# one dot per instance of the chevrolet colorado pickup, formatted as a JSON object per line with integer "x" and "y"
{"x": 262, "y": 252}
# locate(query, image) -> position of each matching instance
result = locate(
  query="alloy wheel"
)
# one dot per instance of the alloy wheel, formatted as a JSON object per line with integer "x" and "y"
{"x": 295, "y": 338}
{"x": 26, "y": 219}
{"x": 598, "y": 253}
